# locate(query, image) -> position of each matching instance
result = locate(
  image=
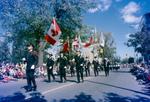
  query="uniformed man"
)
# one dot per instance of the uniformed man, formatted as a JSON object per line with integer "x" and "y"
{"x": 62, "y": 60}
{"x": 96, "y": 64}
{"x": 79, "y": 66}
{"x": 72, "y": 66}
{"x": 32, "y": 60}
{"x": 106, "y": 66}
{"x": 49, "y": 65}
{"x": 87, "y": 67}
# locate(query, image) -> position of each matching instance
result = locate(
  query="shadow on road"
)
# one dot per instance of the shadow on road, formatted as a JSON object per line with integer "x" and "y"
{"x": 82, "y": 97}
{"x": 146, "y": 89}
{"x": 113, "y": 97}
{"x": 144, "y": 93}
{"x": 69, "y": 80}
{"x": 108, "y": 97}
{"x": 19, "y": 97}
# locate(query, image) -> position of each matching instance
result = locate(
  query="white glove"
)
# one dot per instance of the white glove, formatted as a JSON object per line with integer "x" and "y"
{"x": 33, "y": 67}
{"x": 50, "y": 67}
{"x": 81, "y": 64}
{"x": 65, "y": 67}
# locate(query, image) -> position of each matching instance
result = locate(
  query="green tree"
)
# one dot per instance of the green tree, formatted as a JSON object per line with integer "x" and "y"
{"x": 29, "y": 20}
{"x": 4, "y": 51}
{"x": 124, "y": 61}
{"x": 69, "y": 14}
{"x": 141, "y": 40}
{"x": 136, "y": 40}
{"x": 117, "y": 59}
{"x": 86, "y": 32}
{"x": 130, "y": 60}
{"x": 109, "y": 46}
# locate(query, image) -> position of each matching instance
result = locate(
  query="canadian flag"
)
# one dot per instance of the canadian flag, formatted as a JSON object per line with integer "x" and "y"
{"x": 89, "y": 43}
{"x": 53, "y": 33}
{"x": 66, "y": 47}
{"x": 77, "y": 43}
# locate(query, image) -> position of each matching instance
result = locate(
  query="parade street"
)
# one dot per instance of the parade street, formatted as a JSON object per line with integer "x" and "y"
{"x": 120, "y": 86}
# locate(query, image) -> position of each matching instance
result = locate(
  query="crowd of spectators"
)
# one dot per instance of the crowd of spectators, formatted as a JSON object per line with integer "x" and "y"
{"x": 13, "y": 72}
{"x": 10, "y": 71}
{"x": 141, "y": 72}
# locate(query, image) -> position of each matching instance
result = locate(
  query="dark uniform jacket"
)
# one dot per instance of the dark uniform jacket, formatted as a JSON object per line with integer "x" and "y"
{"x": 50, "y": 63}
{"x": 88, "y": 64}
{"x": 105, "y": 63}
{"x": 62, "y": 62}
{"x": 32, "y": 59}
{"x": 95, "y": 63}
{"x": 79, "y": 62}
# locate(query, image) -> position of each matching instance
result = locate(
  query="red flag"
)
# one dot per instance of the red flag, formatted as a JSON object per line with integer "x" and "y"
{"x": 50, "y": 39}
{"x": 53, "y": 33}
{"x": 66, "y": 47}
{"x": 89, "y": 43}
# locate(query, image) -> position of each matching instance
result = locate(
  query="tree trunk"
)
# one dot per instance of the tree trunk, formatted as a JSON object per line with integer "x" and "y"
{"x": 40, "y": 57}
{"x": 41, "y": 53}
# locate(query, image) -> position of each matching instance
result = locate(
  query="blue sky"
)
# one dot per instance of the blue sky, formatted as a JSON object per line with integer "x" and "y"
{"x": 120, "y": 17}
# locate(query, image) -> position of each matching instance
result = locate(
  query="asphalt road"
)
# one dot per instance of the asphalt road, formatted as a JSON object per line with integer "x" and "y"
{"x": 120, "y": 86}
